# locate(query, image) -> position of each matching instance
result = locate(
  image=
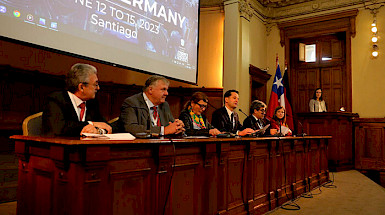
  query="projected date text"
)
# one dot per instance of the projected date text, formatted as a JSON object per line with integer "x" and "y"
{"x": 144, "y": 24}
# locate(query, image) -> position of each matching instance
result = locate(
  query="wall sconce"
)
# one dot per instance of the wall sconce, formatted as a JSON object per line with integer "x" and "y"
{"x": 374, "y": 35}
{"x": 374, "y": 6}
{"x": 375, "y": 50}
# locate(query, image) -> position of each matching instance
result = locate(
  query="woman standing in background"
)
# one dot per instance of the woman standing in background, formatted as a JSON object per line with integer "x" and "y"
{"x": 317, "y": 103}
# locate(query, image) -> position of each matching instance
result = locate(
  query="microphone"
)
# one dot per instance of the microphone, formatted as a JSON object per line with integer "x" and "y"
{"x": 212, "y": 105}
{"x": 252, "y": 124}
{"x": 240, "y": 110}
{"x": 301, "y": 134}
{"x": 280, "y": 128}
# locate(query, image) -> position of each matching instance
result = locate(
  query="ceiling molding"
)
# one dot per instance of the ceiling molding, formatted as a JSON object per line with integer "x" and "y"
{"x": 275, "y": 11}
{"x": 331, "y": 23}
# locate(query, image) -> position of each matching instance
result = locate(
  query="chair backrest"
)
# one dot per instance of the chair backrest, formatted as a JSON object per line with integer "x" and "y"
{"x": 115, "y": 125}
{"x": 113, "y": 120}
{"x": 32, "y": 125}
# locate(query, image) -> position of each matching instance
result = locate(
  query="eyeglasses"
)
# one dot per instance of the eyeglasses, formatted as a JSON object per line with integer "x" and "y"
{"x": 203, "y": 106}
{"x": 96, "y": 85}
{"x": 262, "y": 110}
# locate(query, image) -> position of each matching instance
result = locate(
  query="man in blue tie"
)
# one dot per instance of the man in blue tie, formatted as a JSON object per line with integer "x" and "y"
{"x": 148, "y": 111}
{"x": 225, "y": 119}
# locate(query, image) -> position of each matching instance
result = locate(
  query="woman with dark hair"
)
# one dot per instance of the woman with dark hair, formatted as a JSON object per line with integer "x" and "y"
{"x": 196, "y": 124}
{"x": 317, "y": 103}
{"x": 278, "y": 123}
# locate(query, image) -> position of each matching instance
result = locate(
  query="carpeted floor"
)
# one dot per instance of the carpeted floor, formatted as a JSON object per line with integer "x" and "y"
{"x": 354, "y": 193}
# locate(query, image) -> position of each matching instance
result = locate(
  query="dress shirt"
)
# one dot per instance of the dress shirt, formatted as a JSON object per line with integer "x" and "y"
{"x": 149, "y": 106}
{"x": 259, "y": 123}
{"x": 229, "y": 112}
{"x": 76, "y": 101}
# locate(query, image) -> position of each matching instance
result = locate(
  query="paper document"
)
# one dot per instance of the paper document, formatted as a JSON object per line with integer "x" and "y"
{"x": 117, "y": 136}
{"x": 263, "y": 129}
{"x": 285, "y": 130}
{"x": 194, "y": 137}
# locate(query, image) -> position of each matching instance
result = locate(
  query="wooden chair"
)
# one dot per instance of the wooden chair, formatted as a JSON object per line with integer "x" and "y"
{"x": 115, "y": 125}
{"x": 32, "y": 125}
{"x": 113, "y": 120}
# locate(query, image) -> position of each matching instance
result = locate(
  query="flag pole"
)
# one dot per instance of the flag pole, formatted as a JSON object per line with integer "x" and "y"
{"x": 276, "y": 61}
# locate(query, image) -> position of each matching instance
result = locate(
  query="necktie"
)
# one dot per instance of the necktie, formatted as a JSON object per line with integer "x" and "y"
{"x": 260, "y": 124}
{"x": 82, "y": 109}
{"x": 232, "y": 120}
{"x": 156, "y": 116}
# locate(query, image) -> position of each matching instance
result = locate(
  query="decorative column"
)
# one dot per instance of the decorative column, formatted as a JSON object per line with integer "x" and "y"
{"x": 237, "y": 50}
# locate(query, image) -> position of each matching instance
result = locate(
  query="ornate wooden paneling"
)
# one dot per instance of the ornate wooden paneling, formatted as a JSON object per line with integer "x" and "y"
{"x": 307, "y": 80}
{"x": 370, "y": 144}
{"x": 258, "y": 159}
{"x": 332, "y": 34}
{"x": 340, "y": 126}
{"x": 23, "y": 94}
{"x": 180, "y": 176}
{"x": 258, "y": 83}
{"x": 299, "y": 185}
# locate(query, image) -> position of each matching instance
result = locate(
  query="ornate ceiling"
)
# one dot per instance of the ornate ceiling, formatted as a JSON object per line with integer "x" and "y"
{"x": 280, "y": 3}
{"x": 285, "y": 10}
{"x": 265, "y": 3}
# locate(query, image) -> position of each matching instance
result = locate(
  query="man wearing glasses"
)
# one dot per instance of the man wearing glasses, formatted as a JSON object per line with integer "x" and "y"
{"x": 225, "y": 119}
{"x": 257, "y": 119}
{"x": 196, "y": 123}
{"x": 75, "y": 111}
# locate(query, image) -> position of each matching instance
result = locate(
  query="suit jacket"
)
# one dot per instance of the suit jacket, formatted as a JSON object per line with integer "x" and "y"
{"x": 60, "y": 118}
{"x": 221, "y": 121}
{"x": 189, "y": 126}
{"x": 135, "y": 115}
{"x": 251, "y": 122}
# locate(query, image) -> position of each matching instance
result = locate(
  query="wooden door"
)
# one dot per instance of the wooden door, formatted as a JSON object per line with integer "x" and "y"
{"x": 327, "y": 71}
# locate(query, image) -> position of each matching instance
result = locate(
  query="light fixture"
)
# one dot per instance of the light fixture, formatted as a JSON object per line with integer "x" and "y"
{"x": 375, "y": 50}
{"x": 374, "y": 7}
{"x": 374, "y": 38}
{"x": 374, "y": 29}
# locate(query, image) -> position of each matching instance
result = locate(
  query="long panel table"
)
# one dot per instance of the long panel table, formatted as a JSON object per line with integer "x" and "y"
{"x": 166, "y": 176}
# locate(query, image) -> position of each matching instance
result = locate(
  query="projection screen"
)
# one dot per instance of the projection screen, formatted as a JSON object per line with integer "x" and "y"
{"x": 151, "y": 36}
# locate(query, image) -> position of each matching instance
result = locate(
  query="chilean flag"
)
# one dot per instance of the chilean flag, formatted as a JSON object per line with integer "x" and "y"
{"x": 278, "y": 98}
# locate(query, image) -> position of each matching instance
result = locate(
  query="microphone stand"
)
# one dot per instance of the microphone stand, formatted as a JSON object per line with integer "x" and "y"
{"x": 240, "y": 110}
{"x": 212, "y": 105}
{"x": 301, "y": 134}
{"x": 280, "y": 128}
{"x": 252, "y": 124}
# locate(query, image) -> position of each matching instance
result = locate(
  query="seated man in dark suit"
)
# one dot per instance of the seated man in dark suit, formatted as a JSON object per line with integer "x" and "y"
{"x": 257, "y": 119}
{"x": 148, "y": 111}
{"x": 73, "y": 112}
{"x": 226, "y": 120}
